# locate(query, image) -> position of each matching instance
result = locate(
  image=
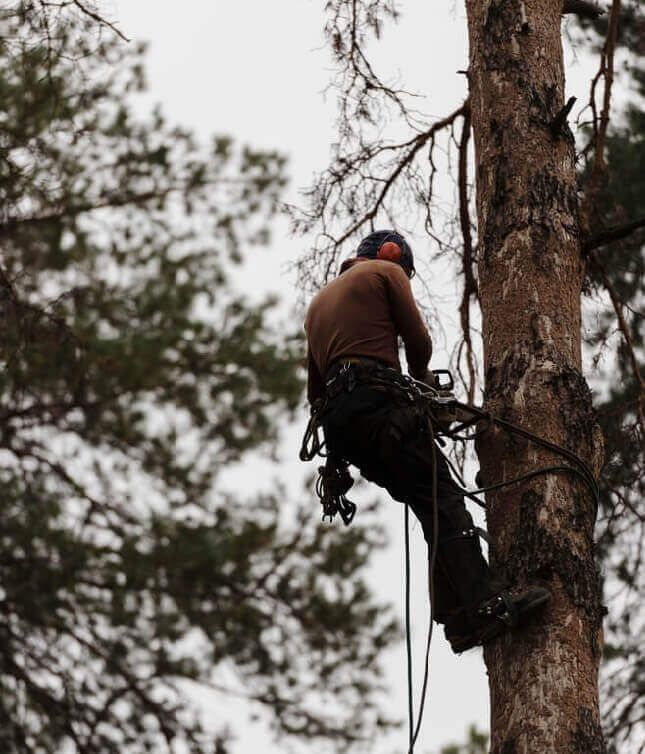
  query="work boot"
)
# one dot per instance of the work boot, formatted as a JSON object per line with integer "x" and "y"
{"x": 504, "y": 611}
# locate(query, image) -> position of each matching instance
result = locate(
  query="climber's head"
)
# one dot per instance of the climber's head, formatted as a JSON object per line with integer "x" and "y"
{"x": 388, "y": 245}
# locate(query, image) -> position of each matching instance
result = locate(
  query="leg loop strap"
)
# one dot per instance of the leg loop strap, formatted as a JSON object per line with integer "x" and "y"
{"x": 501, "y": 607}
{"x": 473, "y": 531}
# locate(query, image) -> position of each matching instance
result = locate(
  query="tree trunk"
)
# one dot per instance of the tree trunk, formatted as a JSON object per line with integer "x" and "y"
{"x": 543, "y": 679}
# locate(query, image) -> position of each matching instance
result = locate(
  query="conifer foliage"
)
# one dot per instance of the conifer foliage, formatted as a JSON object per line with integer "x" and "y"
{"x": 131, "y": 374}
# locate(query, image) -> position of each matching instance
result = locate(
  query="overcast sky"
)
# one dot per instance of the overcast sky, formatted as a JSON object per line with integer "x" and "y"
{"x": 257, "y": 70}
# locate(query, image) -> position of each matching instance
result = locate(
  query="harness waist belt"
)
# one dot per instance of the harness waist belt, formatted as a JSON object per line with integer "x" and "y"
{"x": 357, "y": 362}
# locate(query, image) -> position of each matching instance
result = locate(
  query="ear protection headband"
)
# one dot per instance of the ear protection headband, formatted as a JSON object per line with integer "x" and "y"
{"x": 390, "y": 251}
{"x": 387, "y": 245}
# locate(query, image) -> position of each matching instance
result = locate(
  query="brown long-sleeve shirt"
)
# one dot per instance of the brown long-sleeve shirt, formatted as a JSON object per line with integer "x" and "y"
{"x": 360, "y": 314}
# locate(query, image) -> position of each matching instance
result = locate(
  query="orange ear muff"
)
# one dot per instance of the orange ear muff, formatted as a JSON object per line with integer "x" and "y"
{"x": 390, "y": 251}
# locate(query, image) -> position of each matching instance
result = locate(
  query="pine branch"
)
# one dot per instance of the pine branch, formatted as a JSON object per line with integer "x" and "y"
{"x": 582, "y": 9}
{"x": 612, "y": 234}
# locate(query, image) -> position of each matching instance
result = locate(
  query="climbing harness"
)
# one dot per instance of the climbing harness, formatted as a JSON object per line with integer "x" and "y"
{"x": 448, "y": 417}
{"x": 334, "y": 479}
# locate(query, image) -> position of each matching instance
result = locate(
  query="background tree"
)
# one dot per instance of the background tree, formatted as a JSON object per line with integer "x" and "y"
{"x": 132, "y": 373}
{"x": 526, "y": 207}
{"x": 616, "y": 284}
{"x": 477, "y": 743}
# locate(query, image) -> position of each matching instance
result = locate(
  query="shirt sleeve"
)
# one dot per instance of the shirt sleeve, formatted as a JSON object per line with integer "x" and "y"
{"x": 315, "y": 384}
{"x": 409, "y": 323}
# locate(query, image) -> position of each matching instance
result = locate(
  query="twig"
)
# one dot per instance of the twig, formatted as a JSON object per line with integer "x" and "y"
{"x": 99, "y": 19}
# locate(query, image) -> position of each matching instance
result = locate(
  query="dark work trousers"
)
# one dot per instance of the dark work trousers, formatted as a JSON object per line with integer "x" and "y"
{"x": 388, "y": 439}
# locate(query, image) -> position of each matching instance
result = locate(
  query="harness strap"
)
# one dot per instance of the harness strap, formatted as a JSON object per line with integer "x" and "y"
{"x": 473, "y": 531}
{"x": 501, "y": 607}
{"x": 347, "y": 374}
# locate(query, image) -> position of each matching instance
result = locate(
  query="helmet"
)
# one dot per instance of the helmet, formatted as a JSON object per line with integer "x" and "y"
{"x": 388, "y": 245}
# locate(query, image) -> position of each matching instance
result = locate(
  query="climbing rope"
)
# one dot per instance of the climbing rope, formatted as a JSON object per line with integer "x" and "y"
{"x": 431, "y": 591}
{"x": 580, "y": 469}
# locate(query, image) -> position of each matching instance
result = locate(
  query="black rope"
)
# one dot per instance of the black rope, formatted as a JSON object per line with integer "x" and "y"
{"x": 582, "y": 471}
{"x": 312, "y": 445}
{"x": 538, "y": 472}
{"x": 431, "y": 589}
{"x": 472, "y": 494}
{"x": 408, "y": 640}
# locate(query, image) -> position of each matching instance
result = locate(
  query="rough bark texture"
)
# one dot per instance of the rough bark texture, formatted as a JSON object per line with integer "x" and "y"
{"x": 543, "y": 679}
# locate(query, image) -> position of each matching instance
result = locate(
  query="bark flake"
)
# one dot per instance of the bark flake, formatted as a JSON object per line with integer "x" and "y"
{"x": 587, "y": 737}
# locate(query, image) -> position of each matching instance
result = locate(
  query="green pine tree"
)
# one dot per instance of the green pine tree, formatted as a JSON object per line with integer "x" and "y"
{"x": 132, "y": 373}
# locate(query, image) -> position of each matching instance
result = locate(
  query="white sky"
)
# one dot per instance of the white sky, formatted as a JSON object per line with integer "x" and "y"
{"x": 257, "y": 70}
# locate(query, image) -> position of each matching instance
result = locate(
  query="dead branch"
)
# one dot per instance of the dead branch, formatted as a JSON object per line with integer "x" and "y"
{"x": 470, "y": 285}
{"x": 582, "y": 9}
{"x": 624, "y": 328}
{"x": 99, "y": 19}
{"x": 606, "y": 72}
{"x": 363, "y": 92}
{"x": 356, "y": 187}
{"x": 612, "y": 234}
{"x": 415, "y": 145}
{"x": 84, "y": 7}
{"x": 558, "y": 125}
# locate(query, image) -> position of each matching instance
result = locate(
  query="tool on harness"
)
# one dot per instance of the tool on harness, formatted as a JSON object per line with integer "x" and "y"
{"x": 312, "y": 445}
{"x": 436, "y": 402}
{"x": 334, "y": 480}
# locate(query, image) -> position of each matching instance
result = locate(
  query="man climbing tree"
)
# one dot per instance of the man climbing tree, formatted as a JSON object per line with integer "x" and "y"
{"x": 382, "y": 423}
{"x": 526, "y": 267}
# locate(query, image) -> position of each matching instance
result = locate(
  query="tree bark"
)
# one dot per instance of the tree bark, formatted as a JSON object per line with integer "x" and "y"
{"x": 543, "y": 678}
